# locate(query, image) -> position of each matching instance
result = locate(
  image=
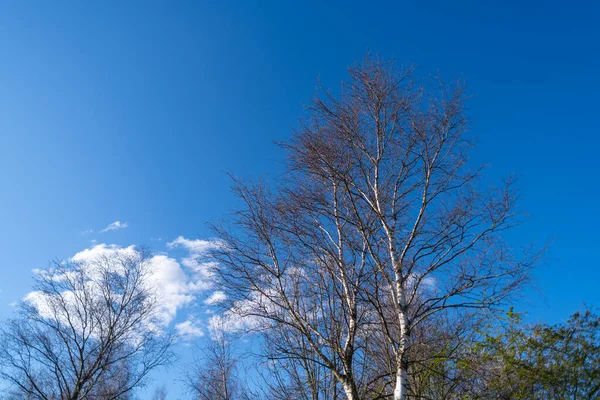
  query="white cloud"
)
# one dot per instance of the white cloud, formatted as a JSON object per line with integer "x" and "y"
{"x": 246, "y": 315}
{"x": 179, "y": 281}
{"x": 46, "y": 305}
{"x": 174, "y": 286}
{"x": 198, "y": 258}
{"x": 189, "y": 329}
{"x": 196, "y": 247}
{"x": 115, "y": 226}
{"x": 241, "y": 316}
{"x": 102, "y": 250}
{"x": 426, "y": 283}
{"x": 215, "y": 298}
{"x": 175, "y": 289}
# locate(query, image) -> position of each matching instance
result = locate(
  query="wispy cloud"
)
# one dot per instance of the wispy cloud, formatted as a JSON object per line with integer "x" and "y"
{"x": 196, "y": 247}
{"x": 115, "y": 226}
{"x": 198, "y": 258}
{"x": 189, "y": 329}
{"x": 215, "y": 298}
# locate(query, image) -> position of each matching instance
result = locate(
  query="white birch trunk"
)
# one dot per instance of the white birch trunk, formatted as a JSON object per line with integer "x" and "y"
{"x": 401, "y": 388}
{"x": 350, "y": 392}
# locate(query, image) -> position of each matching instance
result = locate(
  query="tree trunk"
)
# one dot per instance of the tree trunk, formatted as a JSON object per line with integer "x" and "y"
{"x": 401, "y": 389}
{"x": 350, "y": 391}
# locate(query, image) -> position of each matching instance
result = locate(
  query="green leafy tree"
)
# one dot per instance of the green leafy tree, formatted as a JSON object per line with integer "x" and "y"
{"x": 539, "y": 361}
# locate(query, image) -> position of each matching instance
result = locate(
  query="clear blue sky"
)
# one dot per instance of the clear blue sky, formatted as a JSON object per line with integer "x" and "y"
{"x": 134, "y": 111}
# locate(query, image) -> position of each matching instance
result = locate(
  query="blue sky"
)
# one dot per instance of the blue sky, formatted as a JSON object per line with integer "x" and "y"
{"x": 135, "y": 112}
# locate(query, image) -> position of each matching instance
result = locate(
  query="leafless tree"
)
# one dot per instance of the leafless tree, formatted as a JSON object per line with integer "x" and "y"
{"x": 214, "y": 374}
{"x": 90, "y": 330}
{"x": 378, "y": 227}
{"x": 288, "y": 273}
{"x": 160, "y": 393}
{"x": 289, "y": 370}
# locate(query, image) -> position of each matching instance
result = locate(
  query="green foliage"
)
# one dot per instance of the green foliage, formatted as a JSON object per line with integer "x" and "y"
{"x": 539, "y": 361}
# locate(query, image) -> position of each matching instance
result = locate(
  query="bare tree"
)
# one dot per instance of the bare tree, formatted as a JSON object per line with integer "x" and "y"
{"x": 90, "y": 330}
{"x": 299, "y": 268}
{"x": 214, "y": 374}
{"x": 289, "y": 370}
{"x": 160, "y": 393}
{"x": 377, "y": 228}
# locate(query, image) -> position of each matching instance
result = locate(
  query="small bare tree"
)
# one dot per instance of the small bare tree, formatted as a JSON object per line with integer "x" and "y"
{"x": 90, "y": 330}
{"x": 160, "y": 393}
{"x": 377, "y": 228}
{"x": 214, "y": 374}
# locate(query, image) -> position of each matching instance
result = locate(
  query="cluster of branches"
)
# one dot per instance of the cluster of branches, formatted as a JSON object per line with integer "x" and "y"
{"x": 90, "y": 330}
{"x": 517, "y": 361}
{"x": 215, "y": 373}
{"x": 369, "y": 270}
{"x": 377, "y": 234}
{"x": 504, "y": 360}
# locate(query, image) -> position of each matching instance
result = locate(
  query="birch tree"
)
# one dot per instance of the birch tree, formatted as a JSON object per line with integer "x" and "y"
{"x": 378, "y": 226}
{"x": 298, "y": 270}
{"x": 290, "y": 371}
